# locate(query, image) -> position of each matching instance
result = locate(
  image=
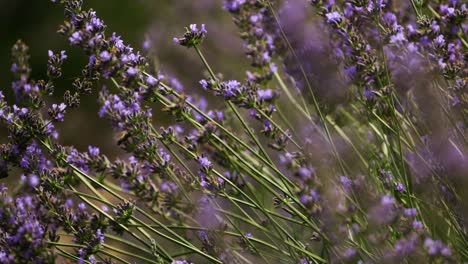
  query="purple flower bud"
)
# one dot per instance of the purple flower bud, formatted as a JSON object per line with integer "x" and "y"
{"x": 57, "y": 112}
{"x": 203, "y": 29}
{"x": 63, "y": 56}
{"x": 105, "y": 56}
{"x": 75, "y": 38}
{"x": 432, "y": 247}
{"x": 390, "y": 19}
{"x": 93, "y": 151}
{"x": 68, "y": 204}
{"x": 446, "y": 252}
{"x": 305, "y": 173}
{"x": 333, "y": 17}
{"x": 204, "y": 84}
{"x": 151, "y": 81}
{"x": 441, "y": 63}
{"x": 33, "y": 180}
{"x": 146, "y": 44}
{"x": 193, "y": 28}
{"x": 24, "y": 163}
{"x": 412, "y": 47}
{"x": 273, "y": 68}
{"x": 400, "y": 187}
{"x": 204, "y": 162}
{"x": 97, "y": 23}
{"x": 387, "y": 201}
{"x": 82, "y": 206}
{"x": 398, "y": 38}
{"x": 417, "y": 225}
{"x": 255, "y": 18}
{"x": 410, "y": 212}
{"x": 203, "y": 236}
{"x": 435, "y": 27}
{"x": 132, "y": 71}
{"x": 27, "y": 88}
{"x": 265, "y": 95}
{"x": 233, "y": 5}
{"x": 346, "y": 182}
{"x": 100, "y": 236}
{"x": 350, "y": 253}
{"x": 439, "y": 41}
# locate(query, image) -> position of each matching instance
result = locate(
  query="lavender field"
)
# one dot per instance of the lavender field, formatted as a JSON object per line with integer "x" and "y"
{"x": 234, "y": 131}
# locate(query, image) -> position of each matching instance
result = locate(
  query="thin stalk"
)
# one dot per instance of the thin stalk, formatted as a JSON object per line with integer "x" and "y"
{"x": 259, "y": 206}
{"x": 284, "y": 88}
{"x": 328, "y": 119}
{"x": 118, "y": 250}
{"x": 85, "y": 198}
{"x": 306, "y": 79}
{"x": 228, "y": 133}
{"x": 181, "y": 242}
{"x": 234, "y": 109}
{"x": 237, "y": 155}
{"x": 65, "y": 254}
{"x": 252, "y": 246}
{"x": 114, "y": 256}
{"x": 256, "y": 240}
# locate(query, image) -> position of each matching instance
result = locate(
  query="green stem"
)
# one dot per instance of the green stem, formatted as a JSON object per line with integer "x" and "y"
{"x": 306, "y": 79}
{"x": 234, "y": 109}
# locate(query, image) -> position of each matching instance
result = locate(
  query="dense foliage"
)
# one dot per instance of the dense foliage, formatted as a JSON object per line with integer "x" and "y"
{"x": 345, "y": 143}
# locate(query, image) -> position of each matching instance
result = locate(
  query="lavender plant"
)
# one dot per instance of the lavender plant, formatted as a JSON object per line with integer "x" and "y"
{"x": 292, "y": 164}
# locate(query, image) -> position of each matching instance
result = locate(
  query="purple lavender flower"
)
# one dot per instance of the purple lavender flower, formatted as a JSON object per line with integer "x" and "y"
{"x": 33, "y": 180}
{"x": 432, "y": 247}
{"x": 398, "y": 38}
{"x": 390, "y": 19}
{"x": 231, "y": 89}
{"x": 387, "y": 201}
{"x": 439, "y": 41}
{"x": 404, "y": 247}
{"x": 132, "y": 71}
{"x": 417, "y": 225}
{"x": 82, "y": 206}
{"x": 192, "y": 37}
{"x": 234, "y": 5}
{"x": 410, "y": 212}
{"x": 100, "y": 236}
{"x": 346, "y": 182}
{"x": 333, "y": 17}
{"x": 105, "y": 56}
{"x": 75, "y": 38}
{"x": 204, "y": 84}
{"x": 57, "y": 112}
{"x": 93, "y": 151}
{"x": 151, "y": 81}
{"x": 305, "y": 173}
{"x": 265, "y": 95}
{"x": 400, "y": 187}
{"x": 204, "y": 163}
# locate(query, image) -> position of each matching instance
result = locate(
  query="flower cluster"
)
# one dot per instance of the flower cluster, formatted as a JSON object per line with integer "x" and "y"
{"x": 261, "y": 37}
{"x": 192, "y": 37}
{"x": 25, "y": 232}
